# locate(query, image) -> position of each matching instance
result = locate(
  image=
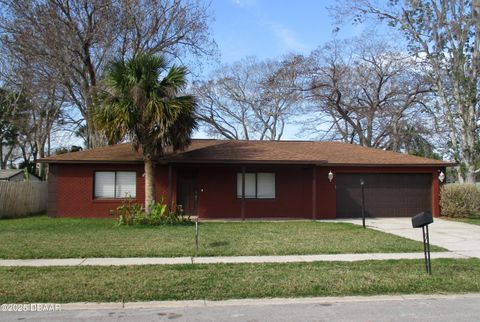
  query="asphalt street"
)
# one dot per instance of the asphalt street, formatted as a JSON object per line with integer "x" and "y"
{"x": 461, "y": 308}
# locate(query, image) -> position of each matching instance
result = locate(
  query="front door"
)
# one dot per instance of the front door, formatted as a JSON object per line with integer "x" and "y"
{"x": 187, "y": 192}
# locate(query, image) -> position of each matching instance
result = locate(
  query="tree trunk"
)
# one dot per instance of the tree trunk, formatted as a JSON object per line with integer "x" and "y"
{"x": 470, "y": 176}
{"x": 459, "y": 171}
{"x": 42, "y": 168}
{"x": 6, "y": 157}
{"x": 2, "y": 166}
{"x": 95, "y": 138}
{"x": 149, "y": 184}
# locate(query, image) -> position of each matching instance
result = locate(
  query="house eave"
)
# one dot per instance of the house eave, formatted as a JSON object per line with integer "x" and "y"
{"x": 386, "y": 165}
{"x": 91, "y": 161}
{"x": 252, "y": 162}
{"x": 240, "y": 162}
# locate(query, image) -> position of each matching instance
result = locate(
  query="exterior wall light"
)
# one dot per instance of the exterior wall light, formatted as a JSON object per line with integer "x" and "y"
{"x": 330, "y": 176}
{"x": 441, "y": 176}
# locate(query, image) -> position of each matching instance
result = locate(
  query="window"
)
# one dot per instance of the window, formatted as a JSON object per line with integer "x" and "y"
{"x": 257, "y": 185}
{"x": 115, "y": 184}
{"x": 265, "y": 185}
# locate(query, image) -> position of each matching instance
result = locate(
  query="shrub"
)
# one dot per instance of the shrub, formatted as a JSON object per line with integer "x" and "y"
{"x": 459, "y": 200}
{"x": 127, "y": 212}
{"x": 130, "y": 213}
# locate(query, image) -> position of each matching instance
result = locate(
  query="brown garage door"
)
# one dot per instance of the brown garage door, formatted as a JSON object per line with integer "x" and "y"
{"x": 386, "y": 195}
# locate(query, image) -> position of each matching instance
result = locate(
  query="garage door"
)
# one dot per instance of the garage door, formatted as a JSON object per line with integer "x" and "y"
{"x": 386, "y": 195}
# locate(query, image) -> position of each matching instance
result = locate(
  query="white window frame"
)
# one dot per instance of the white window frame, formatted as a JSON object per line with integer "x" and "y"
{"x": 256, "y": 194}
{"x": 115, "y": 185}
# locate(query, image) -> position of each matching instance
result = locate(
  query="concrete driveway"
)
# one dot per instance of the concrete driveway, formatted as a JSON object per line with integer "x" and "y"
{"x": 457, "y": 237}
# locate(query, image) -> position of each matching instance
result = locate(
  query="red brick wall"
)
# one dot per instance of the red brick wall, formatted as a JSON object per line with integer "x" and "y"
{"x": 326, "y": 195}
{"x": 161, "y": 183}
{"x": 217, "y": 193}
{"x": 75, "y": 189}
{"x": 216, "y": 187}
{"x": 52, "y": 190}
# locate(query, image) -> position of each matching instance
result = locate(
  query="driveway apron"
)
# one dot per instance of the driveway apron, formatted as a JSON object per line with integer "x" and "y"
{"x": 457, "y": 237}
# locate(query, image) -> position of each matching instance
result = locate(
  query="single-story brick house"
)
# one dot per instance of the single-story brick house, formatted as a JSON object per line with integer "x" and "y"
{"x": 250, "y": 179}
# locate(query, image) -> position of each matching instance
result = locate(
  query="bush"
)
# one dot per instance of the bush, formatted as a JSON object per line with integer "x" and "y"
{"x": 130, "y": 213}
{"x": 459, "y": 200}
{"x": 127, "y": 212}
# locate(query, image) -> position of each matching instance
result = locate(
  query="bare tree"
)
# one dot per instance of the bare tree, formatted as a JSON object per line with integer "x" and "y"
{"x": 36, "y": 111}
{"x": 446, "y": 34}
{"x": 72, "y": 40}
{"x": 364, "y": 92}
{"x": 13, "y": 111}
{"x": 29, "y": 119}
{"x": 44, "y": 117}
{"x": 249, "y": 99}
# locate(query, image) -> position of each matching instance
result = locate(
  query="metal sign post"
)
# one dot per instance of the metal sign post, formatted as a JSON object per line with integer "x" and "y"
{"x": 426, "y": 249}
{"x": 362, "y": 185}
{"x": 423, "y": 219}
{"x": 196, "y": 236}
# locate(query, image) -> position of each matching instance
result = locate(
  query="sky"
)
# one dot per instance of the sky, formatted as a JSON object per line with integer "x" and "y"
{"x": 269, "y": 28}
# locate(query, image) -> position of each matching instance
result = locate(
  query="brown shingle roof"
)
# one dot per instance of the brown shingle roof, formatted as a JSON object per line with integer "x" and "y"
{"x": 222, "y": 151}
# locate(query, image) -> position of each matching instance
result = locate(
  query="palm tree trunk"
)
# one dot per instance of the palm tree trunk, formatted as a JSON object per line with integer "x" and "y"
{"x": 149, "y": 184}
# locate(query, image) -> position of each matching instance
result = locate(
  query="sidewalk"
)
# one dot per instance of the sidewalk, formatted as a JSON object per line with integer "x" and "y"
{"x": 221, "y": 259}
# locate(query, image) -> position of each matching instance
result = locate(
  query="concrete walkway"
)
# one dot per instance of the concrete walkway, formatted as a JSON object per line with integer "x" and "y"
{"x": 220, "y": 259}
{"x": 458, "y": 237}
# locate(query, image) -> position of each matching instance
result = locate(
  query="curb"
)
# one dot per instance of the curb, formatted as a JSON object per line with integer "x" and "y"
{"x": 260, "y": 302}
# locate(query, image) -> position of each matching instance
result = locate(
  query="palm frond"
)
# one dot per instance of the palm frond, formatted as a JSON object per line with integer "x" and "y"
{"x": 148, "y": 109}
{"x": 174, "y": 81}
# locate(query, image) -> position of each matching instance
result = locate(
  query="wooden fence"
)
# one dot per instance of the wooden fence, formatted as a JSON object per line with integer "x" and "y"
{"x": 20, "y": 199}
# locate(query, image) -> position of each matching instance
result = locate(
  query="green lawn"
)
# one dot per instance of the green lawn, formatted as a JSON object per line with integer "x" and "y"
{"x": 474, "y": 221}
{"x": 44, "y": 237}
{"x": 227, "y": 281}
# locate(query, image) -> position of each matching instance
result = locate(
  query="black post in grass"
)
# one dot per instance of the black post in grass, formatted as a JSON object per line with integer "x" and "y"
{"x": 422, "y": 220}
{"x": 196, "y": 236}
{"x": 362, "y": 185}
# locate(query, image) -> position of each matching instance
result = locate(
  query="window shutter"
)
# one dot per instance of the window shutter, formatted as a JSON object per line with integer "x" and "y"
{"x": 104, "y": 184}
{"x": 126, "y": 184}
{"x": 266, "y": 185}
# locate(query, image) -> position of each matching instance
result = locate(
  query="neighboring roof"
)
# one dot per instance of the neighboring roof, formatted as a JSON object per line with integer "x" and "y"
{"x": 267, "y": 152}
{"x": 6, "y": 174}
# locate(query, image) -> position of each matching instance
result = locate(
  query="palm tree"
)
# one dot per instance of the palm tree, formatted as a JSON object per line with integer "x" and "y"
{"x": 147, "y": 109}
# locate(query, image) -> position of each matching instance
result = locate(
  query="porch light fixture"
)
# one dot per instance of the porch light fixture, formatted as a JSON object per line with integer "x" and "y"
{"x": 441, "y": 176}
{"x": 330, "y": 176}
